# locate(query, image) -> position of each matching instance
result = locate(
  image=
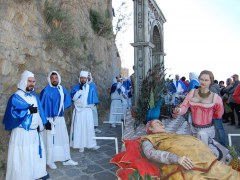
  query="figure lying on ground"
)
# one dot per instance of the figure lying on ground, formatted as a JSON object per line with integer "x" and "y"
{"x": 171, "y": 156}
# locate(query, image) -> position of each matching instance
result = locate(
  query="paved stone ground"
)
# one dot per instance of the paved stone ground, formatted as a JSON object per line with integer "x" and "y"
{"x": 233, "y": 130}
{"x": 94, "y": 165}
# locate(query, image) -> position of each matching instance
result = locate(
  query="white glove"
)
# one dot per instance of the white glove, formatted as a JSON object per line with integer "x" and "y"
{"x": 185, "y": 162}
{"x": 77, "y": 94}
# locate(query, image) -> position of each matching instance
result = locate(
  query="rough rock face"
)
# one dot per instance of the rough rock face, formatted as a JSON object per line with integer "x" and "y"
{"x": 23, "y": 45}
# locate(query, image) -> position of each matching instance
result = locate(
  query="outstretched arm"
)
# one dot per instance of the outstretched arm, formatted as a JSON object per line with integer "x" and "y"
{"x": 183, "y": 107}
{"x": 164, "y": 156}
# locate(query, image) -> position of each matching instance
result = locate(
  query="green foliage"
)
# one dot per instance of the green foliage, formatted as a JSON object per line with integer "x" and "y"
{"x": 153, "y": 88}
{"x": 101, "y": 23}
{"x": 60, "y": 34}
{"x": 233, "y": 151}
{"x": 62, "y": 39}
{"x": 151, "y": 103}
{"x": 136, "y": 176}
{"x": 53, "y": 13}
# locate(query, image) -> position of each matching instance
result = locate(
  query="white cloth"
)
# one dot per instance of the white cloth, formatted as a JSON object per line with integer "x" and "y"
{"x": 49, "y": 78}
{"x": 124, "y": 101}
{"x": 24, "y": 78}
{"x": 83, "y": 74}
{"x": 82, "y": 127}
{"x": 206, "y": 135}
{"x": 24, "y": 161}
{"x": 95, "y": 115}
{"x": 116, "y": 106}
{"x": 57, "y": 144}
{"x": 179, "y": 88}
{"x": 60, "y": 89}
{"x": 193, "y": 75}
{"x": 57, "y": 140}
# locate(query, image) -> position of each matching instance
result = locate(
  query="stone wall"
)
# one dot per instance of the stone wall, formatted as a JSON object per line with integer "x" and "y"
{"x": 23, "y": 45}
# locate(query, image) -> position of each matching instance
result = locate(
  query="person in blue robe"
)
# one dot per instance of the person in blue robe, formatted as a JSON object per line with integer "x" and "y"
{"x": 178, "y": 86}
{"x": 82, "y": 131}
{"x": 55, "y": 99}
{"x": 117, "y": 98}
{"x": 178, "y": 91}
{"x": 25, "y": 117}
{"x": 128, "y": 86}
{"x": 194, "y": 82}
{"x": 94, "y": 94}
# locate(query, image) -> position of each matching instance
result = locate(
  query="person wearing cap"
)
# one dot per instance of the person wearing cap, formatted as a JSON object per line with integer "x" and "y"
{"x": 82, "y": 127}
{"x": 25, "y": 118}
{"x": 95, "y": 97}
{"x": 55, "y": 99}
{"x": 230, "y": 90}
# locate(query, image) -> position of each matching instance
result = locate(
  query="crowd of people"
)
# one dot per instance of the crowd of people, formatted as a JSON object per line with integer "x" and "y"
{"x": 229, "y": 97}
{"x": 39, "y": 135}
{"x": 194, "y": 156}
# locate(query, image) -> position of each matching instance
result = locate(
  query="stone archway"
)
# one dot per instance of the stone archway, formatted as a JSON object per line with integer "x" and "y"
{"x": 148, "y": 41}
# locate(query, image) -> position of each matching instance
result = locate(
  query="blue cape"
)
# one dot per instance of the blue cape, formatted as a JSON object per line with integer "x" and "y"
{"x": 173, "y": 88}
{"x": 127, "y": 84}
{"x": 50, "y": 99}
{"x": 17, "y": 113}
{"x": 92, "y": 94}
{"x": 193, "y": 84}
{"x": 114, "y": 87}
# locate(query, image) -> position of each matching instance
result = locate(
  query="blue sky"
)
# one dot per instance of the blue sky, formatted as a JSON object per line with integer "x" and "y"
{"x": 198, "y": 35}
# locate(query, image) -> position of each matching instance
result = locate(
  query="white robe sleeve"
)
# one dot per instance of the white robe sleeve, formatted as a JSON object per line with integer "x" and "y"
{"x": 158, "y": 155}
{"x": 77, "y": 95}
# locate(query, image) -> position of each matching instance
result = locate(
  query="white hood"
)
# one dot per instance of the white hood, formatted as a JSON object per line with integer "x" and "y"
{"x": 24, "y": 78}
{"x": 90, "y": 75}
{"x": 193, "y": 75}
{"x": 49, "y": 79}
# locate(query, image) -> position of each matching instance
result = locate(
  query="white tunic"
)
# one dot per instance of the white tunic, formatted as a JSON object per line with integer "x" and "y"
{"x": 24, "y": 161}
{"x": 82, "y": 127}
{"x": 95, "y": 115}
{"x": 57, "y": 143}
{"x": 116, "y": 106}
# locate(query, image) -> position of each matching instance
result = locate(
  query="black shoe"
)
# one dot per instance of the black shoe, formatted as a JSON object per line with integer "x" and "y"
{"x": 232, "y": 123}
